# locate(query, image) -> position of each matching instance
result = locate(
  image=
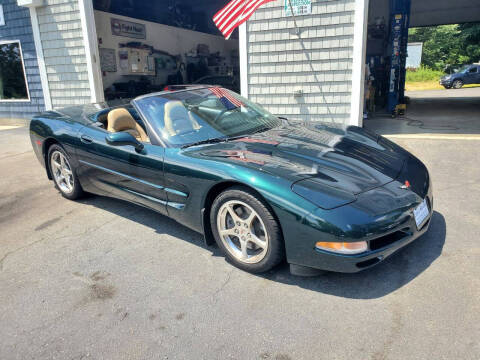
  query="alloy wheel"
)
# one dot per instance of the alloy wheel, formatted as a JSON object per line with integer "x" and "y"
{"x": 457, "y": 84}
{"x": 62, "y": 172}
{"x": 242, "y": 232}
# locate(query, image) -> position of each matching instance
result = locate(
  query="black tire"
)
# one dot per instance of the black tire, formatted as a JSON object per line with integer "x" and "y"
{"x": 77, "y": 191}
{"x": 457, "y": 84}
{"x": 275, "y": 252}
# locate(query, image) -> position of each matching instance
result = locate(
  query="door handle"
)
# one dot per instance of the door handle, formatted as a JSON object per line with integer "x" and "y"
{"x": 86, "y": 139}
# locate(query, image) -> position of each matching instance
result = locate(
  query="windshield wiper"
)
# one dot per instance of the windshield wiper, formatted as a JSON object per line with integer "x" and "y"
{"x": 213, "y": 141}
{"x": 201, "y": 142}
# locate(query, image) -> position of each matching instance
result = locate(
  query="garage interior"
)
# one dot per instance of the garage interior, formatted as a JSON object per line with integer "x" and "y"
{"x": 388, "y": 109}
{"x": 146, "y": 46}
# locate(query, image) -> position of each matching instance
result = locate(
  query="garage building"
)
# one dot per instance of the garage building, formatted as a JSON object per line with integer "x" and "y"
{"x": 310, "y": 66}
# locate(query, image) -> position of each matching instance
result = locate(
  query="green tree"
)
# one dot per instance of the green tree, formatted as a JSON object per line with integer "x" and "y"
{"x": 470, "y": 33}
{"x": 448, "y": 45}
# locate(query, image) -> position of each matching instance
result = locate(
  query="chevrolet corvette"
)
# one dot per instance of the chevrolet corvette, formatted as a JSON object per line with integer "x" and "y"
{"x": 265, "y": 189}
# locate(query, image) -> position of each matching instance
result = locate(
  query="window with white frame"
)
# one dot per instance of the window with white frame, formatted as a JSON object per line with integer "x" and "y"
{"x": 13, "y": 81}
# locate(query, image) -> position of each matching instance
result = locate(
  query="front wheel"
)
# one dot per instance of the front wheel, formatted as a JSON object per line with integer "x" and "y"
{"x": 246, "y": 230}
{"x": 457, "y": 84}
{"x": 63, "y": 173}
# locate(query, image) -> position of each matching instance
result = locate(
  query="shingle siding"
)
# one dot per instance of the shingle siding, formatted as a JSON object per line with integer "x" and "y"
{"x": 64, "y": 52}
{"x": 18, "y": 27}
{"x": 319, "y": 64}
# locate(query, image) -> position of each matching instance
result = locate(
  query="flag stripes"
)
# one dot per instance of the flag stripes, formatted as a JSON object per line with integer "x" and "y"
{"x": 225, "y": 94}
{"x": 235, "y": 13}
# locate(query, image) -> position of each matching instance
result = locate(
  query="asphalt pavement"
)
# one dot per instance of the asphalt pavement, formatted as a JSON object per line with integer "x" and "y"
{"x": 440, "y": 112}
{"x": 103, "y": 279}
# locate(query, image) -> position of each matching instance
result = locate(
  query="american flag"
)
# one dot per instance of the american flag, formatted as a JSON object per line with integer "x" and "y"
{"x": 226, "y": 98}
{"x": 235, "y": 14}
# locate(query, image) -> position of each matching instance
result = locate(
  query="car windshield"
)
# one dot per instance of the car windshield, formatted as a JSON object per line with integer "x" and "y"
{"x": 185, "y": 118}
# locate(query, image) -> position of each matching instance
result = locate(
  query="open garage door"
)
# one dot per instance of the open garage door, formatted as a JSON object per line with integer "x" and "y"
{"x": 435, "y": 110}
{"x": 147, "y": 46}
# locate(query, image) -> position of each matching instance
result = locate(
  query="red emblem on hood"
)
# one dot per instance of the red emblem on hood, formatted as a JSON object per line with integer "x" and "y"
{"x": 406, "y": 186}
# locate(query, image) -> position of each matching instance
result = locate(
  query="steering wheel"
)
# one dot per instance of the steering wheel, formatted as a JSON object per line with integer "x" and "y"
{"x": 220, "y": 115}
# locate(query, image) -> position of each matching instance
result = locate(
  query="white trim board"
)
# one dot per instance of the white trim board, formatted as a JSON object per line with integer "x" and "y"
{"x": 91, "y": 50}
{"x": 42, "y": 69}
{"x": 2, "y": 16}
{"x": 4, "y": 42}
{"x": 243, "y": 52}
{"x": 359, "y": 57}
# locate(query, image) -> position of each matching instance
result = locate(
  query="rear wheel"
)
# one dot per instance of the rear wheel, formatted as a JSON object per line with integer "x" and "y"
{"x": 457, "y": 84}
{"x": 246, "y": 230}
{"x": 63, "y": 173}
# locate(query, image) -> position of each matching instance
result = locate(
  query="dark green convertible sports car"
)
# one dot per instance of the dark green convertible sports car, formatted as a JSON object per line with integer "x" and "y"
{"x": 263, "y": 188}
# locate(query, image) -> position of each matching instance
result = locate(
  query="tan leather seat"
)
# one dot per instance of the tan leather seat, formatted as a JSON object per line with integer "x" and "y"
{"x": 121, "y": 120}
{"x": 178, "y": 119}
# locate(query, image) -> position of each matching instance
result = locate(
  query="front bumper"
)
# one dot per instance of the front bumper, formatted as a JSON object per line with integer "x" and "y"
{"x": 354, "y": 263}
{"x": 445, "y": 82}
{"x": 383, "y": 217}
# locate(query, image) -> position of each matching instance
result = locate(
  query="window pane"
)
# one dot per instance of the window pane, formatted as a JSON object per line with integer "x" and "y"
{"x": 12, "y": 78}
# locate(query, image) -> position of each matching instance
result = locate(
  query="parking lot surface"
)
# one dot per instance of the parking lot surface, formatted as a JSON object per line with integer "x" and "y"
{"x": 441, "y": 112}
{"x": 103, "y": 279}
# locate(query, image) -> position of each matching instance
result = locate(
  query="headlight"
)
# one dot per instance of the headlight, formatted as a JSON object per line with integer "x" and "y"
{"x": 343, "y": 247}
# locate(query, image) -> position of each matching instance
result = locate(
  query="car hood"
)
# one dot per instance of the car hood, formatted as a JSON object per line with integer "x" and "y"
{"x": 451, "y": 76}
{"x": 350, "y": 159}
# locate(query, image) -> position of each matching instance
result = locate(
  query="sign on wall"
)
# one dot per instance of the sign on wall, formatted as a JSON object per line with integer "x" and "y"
{"x": 2, "y": 18}
{"x": 414, "y": 58}
{"x": 128, "y": 29}
{"x": 300, "y": 7}
{"x": 108, "y": 60}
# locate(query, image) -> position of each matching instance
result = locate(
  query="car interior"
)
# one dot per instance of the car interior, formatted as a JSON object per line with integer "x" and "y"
{"x": 181, "y": 122}
{"x": 178, "y": 119}
{"x": 121, "y": 119}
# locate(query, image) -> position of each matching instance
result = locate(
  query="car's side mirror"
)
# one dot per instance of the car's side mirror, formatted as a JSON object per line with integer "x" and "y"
{"x": 123, "y": 138}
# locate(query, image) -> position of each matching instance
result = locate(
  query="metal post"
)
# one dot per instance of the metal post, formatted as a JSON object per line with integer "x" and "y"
{"x": 400, "y": 13}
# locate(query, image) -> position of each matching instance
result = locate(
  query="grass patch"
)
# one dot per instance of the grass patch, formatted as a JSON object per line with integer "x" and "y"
{"x": 423, "y": 74}
{"x": 423, "y": 85}
{"x": 425, "y": 78}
